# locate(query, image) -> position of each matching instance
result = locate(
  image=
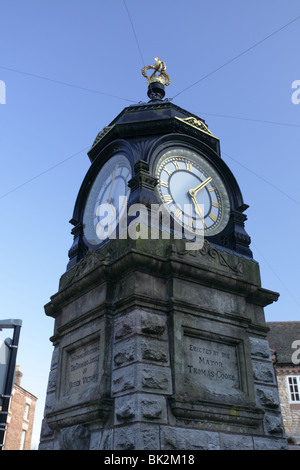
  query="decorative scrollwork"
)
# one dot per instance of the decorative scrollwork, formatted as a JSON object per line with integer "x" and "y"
{"x": 207, "y": 250}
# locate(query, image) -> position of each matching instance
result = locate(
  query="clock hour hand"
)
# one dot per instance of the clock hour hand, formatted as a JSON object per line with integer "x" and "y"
{"x": 193, "y": 192}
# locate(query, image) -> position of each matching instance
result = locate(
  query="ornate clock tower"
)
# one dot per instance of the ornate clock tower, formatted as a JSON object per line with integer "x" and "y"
{"x": 160, "y": 337}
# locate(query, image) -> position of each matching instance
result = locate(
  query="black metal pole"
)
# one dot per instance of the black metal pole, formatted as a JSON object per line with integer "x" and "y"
{"x": 9, "y": 382}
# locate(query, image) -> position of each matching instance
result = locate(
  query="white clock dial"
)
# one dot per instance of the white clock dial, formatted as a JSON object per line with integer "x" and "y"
{"x": 107, "y": 200}
{"x": 192, "y": 190}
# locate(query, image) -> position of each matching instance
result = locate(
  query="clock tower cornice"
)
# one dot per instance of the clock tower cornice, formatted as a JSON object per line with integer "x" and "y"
{"x": 153, "y": 119}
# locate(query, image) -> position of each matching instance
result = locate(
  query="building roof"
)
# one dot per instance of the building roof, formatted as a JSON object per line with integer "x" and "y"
{"x": 281, "y": 337}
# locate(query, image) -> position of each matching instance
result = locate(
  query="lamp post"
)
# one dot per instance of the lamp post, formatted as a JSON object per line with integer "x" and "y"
{"x": 9, "y": 373}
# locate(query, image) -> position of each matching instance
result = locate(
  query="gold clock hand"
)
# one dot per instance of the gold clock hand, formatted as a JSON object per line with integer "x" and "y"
{"x": 193, "y": 192}
{"x": 198, "y": 210}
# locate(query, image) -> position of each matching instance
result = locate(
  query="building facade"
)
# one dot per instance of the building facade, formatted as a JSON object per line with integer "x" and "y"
{"x": 20, "y": 417}
{"x": 284, "y": 340}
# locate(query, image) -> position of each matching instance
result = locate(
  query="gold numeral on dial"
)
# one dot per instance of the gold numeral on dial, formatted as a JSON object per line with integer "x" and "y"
{"x": 189, "y": 167}
{"x": 167, "y": 171}
{"x": 212, "y": 217}
{"x": 178, "y": 213}
{"x": 191, "y": 222}
{"x": 164, "y": 183}
{"x": 167, "y": 199}
{"x": 215, "y": 204}
{"x": 176, "y": 165}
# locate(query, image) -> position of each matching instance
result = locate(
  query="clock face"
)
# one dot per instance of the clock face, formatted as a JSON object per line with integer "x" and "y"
{"x": 107, "y": 200}
{"x": 192, "y": 191}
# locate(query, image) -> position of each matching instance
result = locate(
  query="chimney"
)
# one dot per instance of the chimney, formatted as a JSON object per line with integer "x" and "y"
{"x": 18, "y": 376}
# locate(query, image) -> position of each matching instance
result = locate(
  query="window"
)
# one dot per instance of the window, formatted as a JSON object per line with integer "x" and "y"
{"x": 26, "y": 411}
{"x": 23, "y": 435}
{"x": 294, "y": 388}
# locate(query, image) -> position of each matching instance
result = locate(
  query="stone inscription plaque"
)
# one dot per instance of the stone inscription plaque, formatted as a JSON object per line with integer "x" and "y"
{"x": 82, "y": 368}
{"x": 211, "y": 365}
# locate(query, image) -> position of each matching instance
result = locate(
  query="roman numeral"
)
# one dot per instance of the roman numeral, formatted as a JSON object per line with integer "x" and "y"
{"x": 167, "y": 171}
{"x": 167, "y": 199}
{"x": 178, "y": 213}
{"x": 189, "y": 167}
{"x": 212, "y": 217}
{"x": 191, "y": 222}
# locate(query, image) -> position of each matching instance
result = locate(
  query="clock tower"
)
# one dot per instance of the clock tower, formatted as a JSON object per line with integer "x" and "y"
{"x": 160, "y": 336}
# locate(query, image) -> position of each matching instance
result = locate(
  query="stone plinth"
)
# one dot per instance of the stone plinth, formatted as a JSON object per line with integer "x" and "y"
{"x": 157, "y": 348}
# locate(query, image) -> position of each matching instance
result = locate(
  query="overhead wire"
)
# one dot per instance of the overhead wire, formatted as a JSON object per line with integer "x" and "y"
{"x": 135, "y": 35}
{"x": 42, "y": 173}
{"x": 262, "y": 121}
{"x": 59, "y": 82}
{"x": 262, "y": 178}
{"x": 96, "y": 91}
{"x": 237, "y": 56}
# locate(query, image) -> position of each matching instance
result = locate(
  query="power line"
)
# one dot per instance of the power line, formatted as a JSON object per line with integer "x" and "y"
{"x": 59, "y": 82}
{"x": 43, "y": 172}
{"x": 136, "y": 39}
{"x": 86, "y": 148}
{"x": 263, "y": 179}
{"x": 249, "y": 119}
{"x": 238, "y": 56}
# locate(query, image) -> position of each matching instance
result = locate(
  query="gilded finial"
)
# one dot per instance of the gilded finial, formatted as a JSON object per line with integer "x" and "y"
{"x": 159, "y": 68}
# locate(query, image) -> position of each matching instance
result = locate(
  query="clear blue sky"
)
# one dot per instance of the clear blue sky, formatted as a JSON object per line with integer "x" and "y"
{"x": 92, "y": 46}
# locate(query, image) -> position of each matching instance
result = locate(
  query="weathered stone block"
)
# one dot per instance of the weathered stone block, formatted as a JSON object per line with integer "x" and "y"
{"x": 273, "y": 424}
{"x": 125, "y": 352}
{"x": 107, "y": 438}
{"x": 153, "y": 324}
{"x": 260, "y": 348}
{"x": 140, "y": 407}
{"x": 154, "y": 350}
{"x": 155, "y": 379}
{"x": 125, "y": 325}
{"x": 124, "y": 380}
{"x": 139, "y": 377}
{"x": 263, "y": 372}
{"x": 137, "y": 437}
{"x": 175, "y": 438}
{"x": 264, "y": 443}
{"x": 235, "y": 442}
{"x": 267, "y": 397}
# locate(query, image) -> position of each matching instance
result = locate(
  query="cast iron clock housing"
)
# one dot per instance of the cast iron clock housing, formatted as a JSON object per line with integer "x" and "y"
{"x": 142, "y": 134}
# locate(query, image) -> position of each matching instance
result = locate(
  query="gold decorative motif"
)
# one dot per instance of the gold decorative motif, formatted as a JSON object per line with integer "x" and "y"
{"x": 192, "y": 121}
{"x": 101, "y": 134}
{"x": 159, "y": 68}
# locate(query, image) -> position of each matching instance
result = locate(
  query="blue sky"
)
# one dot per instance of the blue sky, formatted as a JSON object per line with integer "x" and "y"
{"x": 71, "y": 66}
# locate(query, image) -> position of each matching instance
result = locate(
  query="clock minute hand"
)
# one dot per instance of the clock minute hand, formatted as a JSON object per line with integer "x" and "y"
{"x": 193, "y": 192}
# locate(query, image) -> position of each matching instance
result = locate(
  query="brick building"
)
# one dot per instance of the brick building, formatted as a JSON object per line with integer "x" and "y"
{"x": 284, "y": 341}
{"x": 20, "y": 417}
